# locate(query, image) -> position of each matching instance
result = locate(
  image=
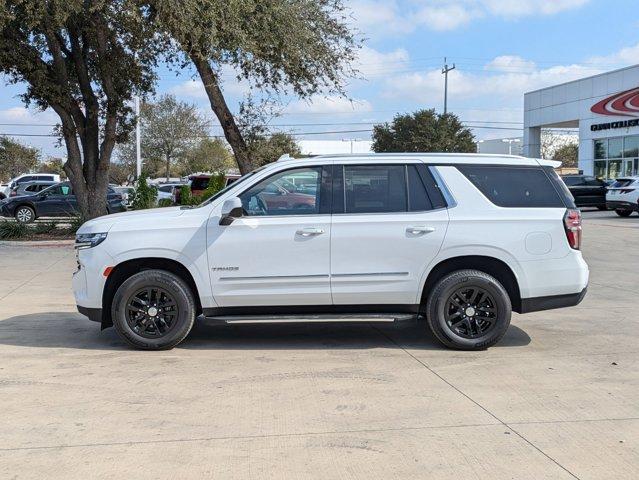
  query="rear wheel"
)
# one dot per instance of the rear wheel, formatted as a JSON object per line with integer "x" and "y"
{"x": 25, "y": 214}
{"x": 153, "y": 310}
{"x": 623, "y": 213}
{"x": 468, "y": 310}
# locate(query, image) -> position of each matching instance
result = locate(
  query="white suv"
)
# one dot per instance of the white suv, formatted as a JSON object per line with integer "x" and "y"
{"x": 623, "y": 196}
{"x": 461, "y": 240}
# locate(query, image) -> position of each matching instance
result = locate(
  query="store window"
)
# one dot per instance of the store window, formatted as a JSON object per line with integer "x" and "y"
{"x": 616, "y": 157}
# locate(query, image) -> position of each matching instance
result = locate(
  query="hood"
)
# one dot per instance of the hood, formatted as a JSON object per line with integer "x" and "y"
{"x": 105, "y": 223}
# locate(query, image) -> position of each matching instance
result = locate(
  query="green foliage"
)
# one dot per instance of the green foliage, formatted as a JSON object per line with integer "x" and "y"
{"x": 165, "y": 202}
{"x": 145, "y": 194}
{"x": 568, "y": 154}
{"x": 208, "y": 155}
{"x": 10, "y": 230}
{"x": 74, "y": 224}
{"x": 264, "y": 150}
{"x": 424, "y": 131}
{"x": 44, "y": 228}
{"x": 186, "y": 198}
{"x": 16, "y": 159}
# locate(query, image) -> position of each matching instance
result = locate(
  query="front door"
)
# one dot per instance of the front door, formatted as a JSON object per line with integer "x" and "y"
{"x": 278, "y": 253}
{"x": 392, "y": 225}
{"x": 55, "y": 201}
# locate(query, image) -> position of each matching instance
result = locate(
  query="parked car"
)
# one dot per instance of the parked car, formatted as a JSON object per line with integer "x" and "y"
{"x": 199, "y": 183}
{"x": 30, "y": 177}
{"x": 385, "y": 237}
{"x": 587, "y": 191}
{"x": 167, "y": 191}
{"x": 29, "y": 188}
{"x": 623, "y": 196}
{"x": 55, "y": 201}
{"x": 128, "y": 193}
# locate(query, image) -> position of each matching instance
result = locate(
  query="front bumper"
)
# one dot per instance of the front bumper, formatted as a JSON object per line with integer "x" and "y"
{"x": 621, "y": 205}
{"x": 537, "y": 304}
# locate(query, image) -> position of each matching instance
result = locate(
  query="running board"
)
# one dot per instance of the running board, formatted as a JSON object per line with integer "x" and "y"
{"x": 320, "y": 318}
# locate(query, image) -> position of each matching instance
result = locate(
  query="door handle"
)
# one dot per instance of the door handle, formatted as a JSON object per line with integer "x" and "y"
{"x": 420, "y": 230}
{"x": 309, "y": 232}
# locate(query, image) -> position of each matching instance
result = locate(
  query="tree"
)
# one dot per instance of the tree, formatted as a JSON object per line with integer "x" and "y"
{"x": 568, "y": 154}
{"x": 423, "y": 131}
{"x": 85, "y": 60}
{"x": 171, "y": 129}
{"x": 301, "y": 46}
{"x": 53, "y": 165}
{"x": 263, "y": 150}
{"x": 209, "y": 155}
{"x": 16, "y": 159}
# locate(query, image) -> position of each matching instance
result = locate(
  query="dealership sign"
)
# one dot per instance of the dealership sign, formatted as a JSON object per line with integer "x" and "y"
{"x": 624, "y": 104}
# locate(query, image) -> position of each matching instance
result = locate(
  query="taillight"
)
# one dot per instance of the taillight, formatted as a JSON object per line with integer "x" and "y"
{"x": 572, "y": 224}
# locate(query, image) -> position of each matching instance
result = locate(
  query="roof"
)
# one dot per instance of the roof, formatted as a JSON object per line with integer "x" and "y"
{"x": 440, "y": 158}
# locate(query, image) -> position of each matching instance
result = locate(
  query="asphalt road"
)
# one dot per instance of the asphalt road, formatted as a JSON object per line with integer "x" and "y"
{"x": 558, "y": 398}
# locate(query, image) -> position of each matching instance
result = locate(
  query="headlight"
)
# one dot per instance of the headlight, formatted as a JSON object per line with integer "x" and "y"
{"x": 89, "y": 240}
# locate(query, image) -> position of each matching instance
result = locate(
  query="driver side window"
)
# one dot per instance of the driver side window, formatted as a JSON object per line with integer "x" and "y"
{"x": 292, "y": 192}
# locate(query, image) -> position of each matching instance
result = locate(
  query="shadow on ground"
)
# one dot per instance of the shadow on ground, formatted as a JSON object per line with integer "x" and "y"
{"x": 71, "y": 330}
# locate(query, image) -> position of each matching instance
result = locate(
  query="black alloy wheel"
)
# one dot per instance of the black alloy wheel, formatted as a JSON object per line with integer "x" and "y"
{"x": 151, "y": 312}
{"x": 471, "y": 312}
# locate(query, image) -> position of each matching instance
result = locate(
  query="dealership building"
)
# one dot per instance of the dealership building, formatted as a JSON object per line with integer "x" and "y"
{"x": 605, "y": 109}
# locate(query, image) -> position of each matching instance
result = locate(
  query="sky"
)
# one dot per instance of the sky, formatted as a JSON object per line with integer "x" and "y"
{"x": 500, "y": 48}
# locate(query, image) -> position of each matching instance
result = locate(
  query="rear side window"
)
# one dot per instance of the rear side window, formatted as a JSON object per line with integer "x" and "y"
{"x": 622, "y": 182}
{"x": 515, "y": 187}
{"x": 574, "y": 181}
{"x": 375, "y": 189}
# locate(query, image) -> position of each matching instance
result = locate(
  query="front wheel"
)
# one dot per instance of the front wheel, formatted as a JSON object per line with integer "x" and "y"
{"x": 153, "y": 310}
{"x": 623, "y": 213}
{"x": 25, "y": 214}
{"x": 468, "y": 310}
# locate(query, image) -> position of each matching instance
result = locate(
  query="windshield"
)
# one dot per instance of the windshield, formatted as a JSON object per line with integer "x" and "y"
{"x": 623, "y": 182}
{"x": 231, "y": 185}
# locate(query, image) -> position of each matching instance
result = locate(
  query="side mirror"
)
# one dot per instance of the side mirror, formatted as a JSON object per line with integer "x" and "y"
{"x": 231, "y": 209}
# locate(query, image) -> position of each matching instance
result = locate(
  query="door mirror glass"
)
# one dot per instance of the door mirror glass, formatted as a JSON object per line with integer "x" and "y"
{"x": 231, "y": 209}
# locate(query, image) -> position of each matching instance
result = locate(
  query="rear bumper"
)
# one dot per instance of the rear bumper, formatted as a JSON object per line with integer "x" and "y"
{"x": 621, "y": 205}
{"x": 537, "y": 304}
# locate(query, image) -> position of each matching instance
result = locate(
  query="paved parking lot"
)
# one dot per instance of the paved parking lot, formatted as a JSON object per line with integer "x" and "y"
{"x": 558, "y": 398}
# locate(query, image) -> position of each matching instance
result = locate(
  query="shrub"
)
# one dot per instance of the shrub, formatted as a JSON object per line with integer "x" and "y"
{"x": 49, "y": 227}
{"x": 13, "y": 230}
{"x": 74, "y": 224}
{"x": 145, "y": 194}
{"x": 216, "y": 183}
{"x": 165, "y": 202}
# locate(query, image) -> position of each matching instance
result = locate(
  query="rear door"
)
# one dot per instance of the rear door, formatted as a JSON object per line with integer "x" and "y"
{"x": 389, "y": 222}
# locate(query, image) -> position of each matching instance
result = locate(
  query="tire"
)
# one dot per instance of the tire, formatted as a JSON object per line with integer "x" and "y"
{"x": 623, "y": 213}
{"x": 25, "y": 214}
{"x": 147, "y": 334}
{"x": 492, "y": 311}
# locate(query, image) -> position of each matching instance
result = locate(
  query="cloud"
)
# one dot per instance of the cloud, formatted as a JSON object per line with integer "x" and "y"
{"x": 378, "y": 18}
{"x": 372, "y": 63}
{"x": 327, "y": 105}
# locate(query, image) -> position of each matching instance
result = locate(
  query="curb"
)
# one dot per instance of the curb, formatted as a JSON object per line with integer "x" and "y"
{"x": 35, "y": 243}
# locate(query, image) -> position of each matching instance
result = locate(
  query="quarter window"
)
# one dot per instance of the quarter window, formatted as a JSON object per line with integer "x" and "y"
{"x": 514, "y": 186}
{"x": 292, "y": 192}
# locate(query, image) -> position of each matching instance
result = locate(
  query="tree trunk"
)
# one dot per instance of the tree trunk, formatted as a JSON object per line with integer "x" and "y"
{"x": 168, "y": 167}
{"x": 225, "y": 117}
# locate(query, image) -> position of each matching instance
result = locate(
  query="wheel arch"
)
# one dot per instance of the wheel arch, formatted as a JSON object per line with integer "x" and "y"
{"x": 26, "y": 204}
{"x": 490, "y": 265}
{"x": 125, "y": 269}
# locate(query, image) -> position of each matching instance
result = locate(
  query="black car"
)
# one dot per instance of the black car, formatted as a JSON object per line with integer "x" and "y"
{"x": 587, "y": 191}
{"x": 55, "y": 201}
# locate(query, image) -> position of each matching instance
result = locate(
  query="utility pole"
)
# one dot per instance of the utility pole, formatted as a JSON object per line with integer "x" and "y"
{"x": 138, "y": 156}
{"x": 445, "y": 71}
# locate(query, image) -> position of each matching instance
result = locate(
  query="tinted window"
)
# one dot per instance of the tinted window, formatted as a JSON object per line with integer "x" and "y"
{"x": 514, "y": 186}
{"x": 593, "y": 182}
{"x": 285, "y": 193}
{"x": 418, "y": 200}
{"x": 574, "y": 181}
{"x": 622, "y": 182}
{"x": 165, "y": 188}
{"x": 26, "y": 179}
{"x": 32, "y": 188}
{"x": 375, "y": 189}
{"x": 200, "y": 183}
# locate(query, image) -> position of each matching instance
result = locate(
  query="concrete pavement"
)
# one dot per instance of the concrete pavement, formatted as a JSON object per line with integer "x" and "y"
{"x": 558, "y": 398}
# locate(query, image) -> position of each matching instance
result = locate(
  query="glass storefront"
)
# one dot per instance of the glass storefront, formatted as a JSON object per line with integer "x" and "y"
{"x": 616, "y": 157}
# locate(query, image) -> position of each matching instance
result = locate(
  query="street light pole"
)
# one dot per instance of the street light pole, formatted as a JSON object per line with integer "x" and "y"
{"x": 138, "y": 155}
{"x": 445, "y": 71}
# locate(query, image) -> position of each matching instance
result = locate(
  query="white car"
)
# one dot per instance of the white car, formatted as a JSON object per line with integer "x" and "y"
{"x": 623, "y": 196}
{"x": 30, "y": 177}
{"x": 165, "y": 191}
{"x": 459, "y": 239}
